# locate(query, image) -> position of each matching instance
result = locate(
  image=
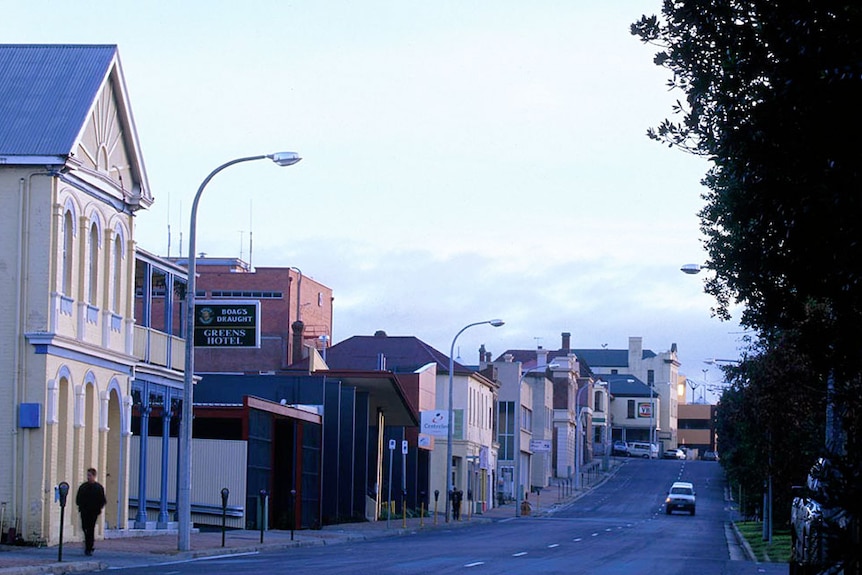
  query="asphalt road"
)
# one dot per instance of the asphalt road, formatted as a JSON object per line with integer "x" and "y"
{"x": 619, "y": 528}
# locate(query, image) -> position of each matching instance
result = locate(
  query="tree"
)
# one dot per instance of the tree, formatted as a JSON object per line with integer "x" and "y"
{"x": 770, "y": 422}
{"x": 772, "y": 92}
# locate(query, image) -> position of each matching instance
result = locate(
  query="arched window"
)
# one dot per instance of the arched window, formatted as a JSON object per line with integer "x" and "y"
{"x": 68, "y": 230}
{"x": 94, "y": 263}
{"x": 118, "y": 274}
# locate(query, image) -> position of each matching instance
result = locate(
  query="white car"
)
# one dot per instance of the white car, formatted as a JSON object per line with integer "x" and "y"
{"x": 674, "y": 454}
{"x": 681, "y": 496}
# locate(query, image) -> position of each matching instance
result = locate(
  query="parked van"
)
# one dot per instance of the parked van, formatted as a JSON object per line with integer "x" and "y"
{"x": 643, "y": 449}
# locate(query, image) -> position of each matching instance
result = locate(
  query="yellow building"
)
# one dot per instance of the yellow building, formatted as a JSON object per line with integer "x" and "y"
{"x": 71, "y": 180}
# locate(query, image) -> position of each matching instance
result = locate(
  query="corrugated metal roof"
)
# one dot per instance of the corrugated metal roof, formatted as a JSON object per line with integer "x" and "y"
{"x": 46, "y": 91}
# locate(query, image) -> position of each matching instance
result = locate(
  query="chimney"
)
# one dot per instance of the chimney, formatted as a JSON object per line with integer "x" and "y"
{"x": 541, "y": 357}
{"x": 488, "y": 357}
{"x": 508, "y": 358}
{"x": 481, "y": 353}
{"x": 567, "y": 341}
{"x": 298, "y": 328}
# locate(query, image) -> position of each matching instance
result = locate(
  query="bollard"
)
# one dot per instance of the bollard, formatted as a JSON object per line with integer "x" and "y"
{"x": 421, "y": 509}
{"x": 62, "y": 492}
{"x": 436, "y": 497}
{"x": 225, "y": 492}
{"x": 404, "y": 510}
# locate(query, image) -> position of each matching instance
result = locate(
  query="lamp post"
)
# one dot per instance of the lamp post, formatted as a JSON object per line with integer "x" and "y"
{"x": 518, "y": 491}
{"x": 448, "y": 463}
{"x": 184, "y": 512}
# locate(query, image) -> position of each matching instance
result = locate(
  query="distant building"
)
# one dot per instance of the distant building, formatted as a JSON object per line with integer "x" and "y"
{"x": 474, "y": 450}
{"x": 295, "y": 310}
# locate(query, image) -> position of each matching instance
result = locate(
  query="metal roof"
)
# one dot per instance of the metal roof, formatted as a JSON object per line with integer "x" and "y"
{"x": 46, "y": 92}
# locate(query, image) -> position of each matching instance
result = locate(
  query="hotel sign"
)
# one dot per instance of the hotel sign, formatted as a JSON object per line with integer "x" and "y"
{"x": 227, "y": 323}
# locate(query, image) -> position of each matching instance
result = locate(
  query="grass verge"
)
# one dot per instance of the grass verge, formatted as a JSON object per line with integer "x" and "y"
{"x": 778, "y": 551}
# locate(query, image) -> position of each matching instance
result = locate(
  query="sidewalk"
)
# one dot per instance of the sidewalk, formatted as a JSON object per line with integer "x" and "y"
{"x": 139, "y": 548}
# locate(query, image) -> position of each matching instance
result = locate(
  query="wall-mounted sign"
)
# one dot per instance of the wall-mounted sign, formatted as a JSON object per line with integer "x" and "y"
{"x": 540, "y": 445}
{"x": 644, "y": 410}
{"x": 227, "y": 323}
{"x": 434, "y": 422}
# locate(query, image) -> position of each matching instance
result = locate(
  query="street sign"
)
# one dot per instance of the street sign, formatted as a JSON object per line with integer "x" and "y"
{"x": 404, "y": 447}
{"x": 391, "y": 445}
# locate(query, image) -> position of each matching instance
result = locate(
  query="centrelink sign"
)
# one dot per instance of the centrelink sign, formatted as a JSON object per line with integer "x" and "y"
{"x": 227, "y": 323}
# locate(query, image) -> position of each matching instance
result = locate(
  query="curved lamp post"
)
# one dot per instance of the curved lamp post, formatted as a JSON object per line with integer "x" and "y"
{"x": 184, "y": 511}
{"x": 448, "y": 462}
{"x": 518, "y": 491}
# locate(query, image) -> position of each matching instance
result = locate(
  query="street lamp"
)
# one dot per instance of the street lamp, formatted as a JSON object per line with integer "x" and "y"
{"x": 518, "y": 490}
{"x": 184, "y": 511}
{"x": 692, "y": 269}
{"x": 448, "y": 464}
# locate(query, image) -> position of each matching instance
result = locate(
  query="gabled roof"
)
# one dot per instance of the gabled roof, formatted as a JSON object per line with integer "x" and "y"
{"x": 400, "y": 354}
{"x": 51, "y": 93}
{"x": 46, "y": 92}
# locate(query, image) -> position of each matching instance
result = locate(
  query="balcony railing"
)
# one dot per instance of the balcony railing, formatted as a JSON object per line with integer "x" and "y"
{"x": 158, "y": 348}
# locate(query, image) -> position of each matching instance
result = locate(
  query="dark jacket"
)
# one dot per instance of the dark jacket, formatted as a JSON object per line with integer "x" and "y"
{"x": 90, "y": 498}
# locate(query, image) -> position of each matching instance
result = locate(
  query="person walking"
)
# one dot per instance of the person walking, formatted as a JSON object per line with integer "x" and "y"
{"x": 457, "y": 496}
{"x": 90, "y": 500}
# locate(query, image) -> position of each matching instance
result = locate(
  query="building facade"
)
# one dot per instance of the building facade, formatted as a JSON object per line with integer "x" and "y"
{"x": 71, "y": 180}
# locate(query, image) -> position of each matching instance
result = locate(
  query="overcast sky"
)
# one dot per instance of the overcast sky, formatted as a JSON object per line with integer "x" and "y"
{"x": 462, "y": 161}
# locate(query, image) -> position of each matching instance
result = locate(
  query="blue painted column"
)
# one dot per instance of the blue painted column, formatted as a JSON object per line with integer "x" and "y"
{"x": 141, "y": 517}
{"x": 163, "y": 474}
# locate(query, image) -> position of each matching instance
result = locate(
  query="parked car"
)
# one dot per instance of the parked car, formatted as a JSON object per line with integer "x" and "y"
{"x": 673, "y": 454}
{"x": 815, "y": 528}
{"x": 620, "y": 448}
{"x": 643, "y": 449}
{"x": 681, "y": 496}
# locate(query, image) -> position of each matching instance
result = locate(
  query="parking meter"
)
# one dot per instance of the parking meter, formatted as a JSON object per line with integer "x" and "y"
{"x": 292, "y": 512}
{"x": 63, "y": 492}
{"x": 225, "y": 493}
{"x": 263, "y": 512}
{"x": 436, "y": 497}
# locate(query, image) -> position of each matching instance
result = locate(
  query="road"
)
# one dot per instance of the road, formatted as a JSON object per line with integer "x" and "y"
{"x": 619, "y": 528}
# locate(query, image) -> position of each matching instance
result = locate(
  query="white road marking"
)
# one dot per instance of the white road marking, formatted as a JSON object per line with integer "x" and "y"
{"x": 476, "y": 564}
{"x": 552, "y": 545}
{"x": 521, "y": 554}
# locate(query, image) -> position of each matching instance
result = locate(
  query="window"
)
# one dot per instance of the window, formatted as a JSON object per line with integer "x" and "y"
{"x": 506, "y": 430}
{"x": 118, "y": 274}
{"x": 650, "y": 377}
{"x": 630, "y": 409}
{"x": 94, "y": 264}
{"x": 68, "y": 234}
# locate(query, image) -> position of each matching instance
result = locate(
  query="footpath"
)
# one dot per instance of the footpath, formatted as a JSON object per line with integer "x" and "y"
{"x": 136, "y": 548}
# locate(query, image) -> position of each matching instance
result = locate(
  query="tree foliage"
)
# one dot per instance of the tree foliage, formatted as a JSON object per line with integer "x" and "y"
{"x": 771, "y": 421}
{"x": 772, "y": 98}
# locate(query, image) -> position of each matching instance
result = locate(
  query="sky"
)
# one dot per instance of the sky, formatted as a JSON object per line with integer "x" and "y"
{"x": 463, "y": 160}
